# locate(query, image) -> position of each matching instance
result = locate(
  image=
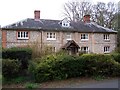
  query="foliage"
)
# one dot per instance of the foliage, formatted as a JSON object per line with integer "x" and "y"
{"x": 39, "y": 50}
{"x": 75, "y": 10}
{"x": 116, "y": 57}
{"x": 57, "y": 67}
{"x": 31, "y": 85}
{"x": 10, "y": 68}
{"x": 21, "y": 54}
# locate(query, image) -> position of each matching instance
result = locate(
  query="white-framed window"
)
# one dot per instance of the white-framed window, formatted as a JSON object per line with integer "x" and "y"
{"x": 65, "y": 23}
{"x": 84, "y": 36}
{"x": 51, "y": 36}
{"x": 106, "y": 37}
{"x": 51, "y": 49}
{"x": 85, "y": 49}
{"x": 68, "y": 36}
{"x": 106, "y": 49}
{"x": 22, "y": 35}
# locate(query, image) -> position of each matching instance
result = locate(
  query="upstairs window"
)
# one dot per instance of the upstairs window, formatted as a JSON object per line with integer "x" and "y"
{"x": 107, "y": 49}
{"x": 22, "y": 35}
{"x": 68, "y": 36}
{"x": 106, "y": 37}
{"x": 51, "y": 36}
{"x": 65, "y": 23}
{"x": 84, "y": 36}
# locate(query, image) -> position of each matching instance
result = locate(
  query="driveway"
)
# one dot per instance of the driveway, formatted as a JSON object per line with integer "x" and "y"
{"x": 82, "y": 83}
{"x": 99, "y": 84}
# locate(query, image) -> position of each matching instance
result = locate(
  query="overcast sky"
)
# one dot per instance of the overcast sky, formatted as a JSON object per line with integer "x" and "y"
{"x": 12, "y": 11}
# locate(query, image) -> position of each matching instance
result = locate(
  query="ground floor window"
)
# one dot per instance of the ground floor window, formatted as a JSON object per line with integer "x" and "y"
{"x": 85, "y": 49}
{"x": 107, "y": 49}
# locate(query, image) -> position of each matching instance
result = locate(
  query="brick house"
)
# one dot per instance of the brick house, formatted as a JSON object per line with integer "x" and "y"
{"x": 73, "y": 36}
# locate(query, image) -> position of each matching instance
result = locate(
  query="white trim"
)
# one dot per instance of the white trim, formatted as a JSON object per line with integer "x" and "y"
{"x": 22, "y": 35}
{"x": 106, "y": 49}
{"x": 23, "y": 38}
{"x": 51, "y": 38}
{"x": 86, "y": 39}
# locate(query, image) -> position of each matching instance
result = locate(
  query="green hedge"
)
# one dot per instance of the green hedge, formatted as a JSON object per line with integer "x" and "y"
{"x": 100, "y": 64}
{"x": 58, "y": 67}
{"x": 116, "y": 57}
{"x": 10, "y": 68}
{"x": 22, "y": 54}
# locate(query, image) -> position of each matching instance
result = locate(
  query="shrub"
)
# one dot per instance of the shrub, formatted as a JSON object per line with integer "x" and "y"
{"x": 100, "y": 64}
{"x": 57, "y": 67}
{"x": 22, "y": 54}
{"x": 10, "y": 68}
{"x": 31, "y": 85}
{"x": 116, "y": 57}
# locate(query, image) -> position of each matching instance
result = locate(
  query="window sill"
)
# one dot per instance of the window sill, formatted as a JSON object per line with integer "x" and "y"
{"x": 68, "y": 39}
{"x": 51, "y": 38}
{"x": 107, "y": 40}
{"x": 22, "y": 38}
{"x": 84, "y": 40}
{"x": 107, "y": 52}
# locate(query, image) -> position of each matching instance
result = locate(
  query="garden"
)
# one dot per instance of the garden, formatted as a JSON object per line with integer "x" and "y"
{"x": 19, "y": 66}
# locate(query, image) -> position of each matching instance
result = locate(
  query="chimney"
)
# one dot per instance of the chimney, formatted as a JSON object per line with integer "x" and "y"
{"x": 86, "y": 19}
{"x": 37, "y": 14}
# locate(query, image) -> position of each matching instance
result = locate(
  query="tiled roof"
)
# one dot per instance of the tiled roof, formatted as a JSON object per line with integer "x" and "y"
{"x": 56, "y": 25}
{"x": 70, "y": 44}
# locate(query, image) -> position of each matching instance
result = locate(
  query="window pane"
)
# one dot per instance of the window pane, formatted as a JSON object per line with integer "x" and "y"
{"x": 21, "y": 34}
{"x": 26, "y": 34}
{"x": 18, "y": 34}
{"x": 47, "y": 35}
{"x": 54, "y": 35}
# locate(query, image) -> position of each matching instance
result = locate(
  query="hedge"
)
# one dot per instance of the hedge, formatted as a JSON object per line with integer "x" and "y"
{"x": 116, "y": 57}
{"x": 22, "y": 54}
{"x": 58, "y": 67}
{"x": 10, "y": 68}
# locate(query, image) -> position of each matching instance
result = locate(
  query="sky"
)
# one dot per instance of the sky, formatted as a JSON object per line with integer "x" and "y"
{"x": 12, "y": 11}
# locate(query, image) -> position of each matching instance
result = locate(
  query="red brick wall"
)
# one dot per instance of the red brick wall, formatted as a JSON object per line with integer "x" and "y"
{"x": 4, "y": 39}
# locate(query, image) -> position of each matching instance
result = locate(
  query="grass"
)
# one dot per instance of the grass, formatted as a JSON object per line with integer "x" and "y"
{"x": 98, "y": 77}
{"x": 31, "y": 85}
{"x": 16, "y": 80}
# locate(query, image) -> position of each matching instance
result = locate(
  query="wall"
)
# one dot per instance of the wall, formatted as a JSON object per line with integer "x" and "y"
{"x": 13, "y": 42}
{"x": 95, "y": 43}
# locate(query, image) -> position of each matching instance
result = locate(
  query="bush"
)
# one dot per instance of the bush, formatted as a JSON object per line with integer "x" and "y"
{"x": 57, "y": 67}
{"x": 10, "y": 68}
{"x": 116, "y": 57}
{"x": 100, "y": 64}
{"x": 22, "y": 54}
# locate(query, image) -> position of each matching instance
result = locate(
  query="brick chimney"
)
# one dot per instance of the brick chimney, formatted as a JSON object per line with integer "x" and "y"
{"x": 86, "y": 19}
{"x": 37, "y": 14}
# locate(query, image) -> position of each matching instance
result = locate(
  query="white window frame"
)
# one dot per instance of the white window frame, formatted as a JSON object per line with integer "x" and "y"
{"x": 23, "y": 35}
{"x": 84, "y": 37}
{"x": 85, "y": 50}
{"x": 106, "y": 49}
{"x": 106, "y": 37}
{"x": 68, "y": 36}
{"x": 51, "y": 36}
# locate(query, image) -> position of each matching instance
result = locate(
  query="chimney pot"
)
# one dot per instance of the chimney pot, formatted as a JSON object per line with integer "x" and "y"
{"x": 86, "y": 18}
{"x": 37, "y": 14}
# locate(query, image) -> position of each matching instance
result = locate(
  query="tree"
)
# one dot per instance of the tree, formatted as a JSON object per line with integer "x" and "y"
{"x": 101, "y": 13}
{"x": 76, "y": 10}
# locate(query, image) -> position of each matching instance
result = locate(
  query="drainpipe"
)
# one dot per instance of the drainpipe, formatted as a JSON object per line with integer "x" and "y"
{"x": 41, "y": 40}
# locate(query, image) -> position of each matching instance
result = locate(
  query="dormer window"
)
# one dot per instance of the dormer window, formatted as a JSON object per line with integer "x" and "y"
{"x": 65, "y": 23}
